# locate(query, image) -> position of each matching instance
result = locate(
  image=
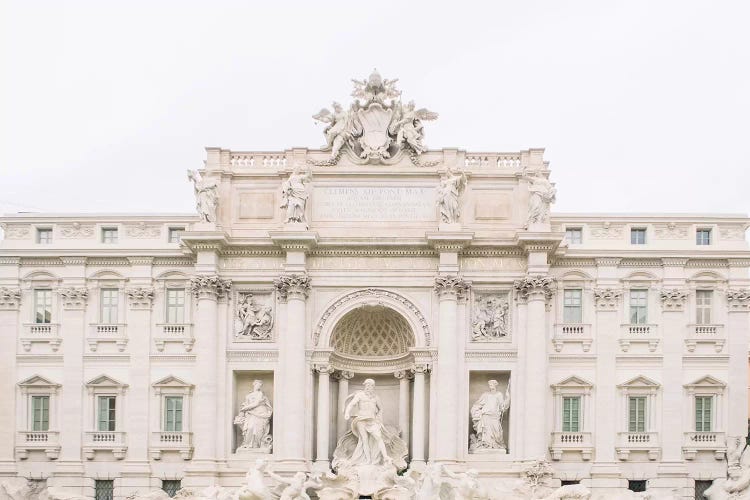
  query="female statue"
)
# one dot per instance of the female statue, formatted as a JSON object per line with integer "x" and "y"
{"x": 255, "y": 419}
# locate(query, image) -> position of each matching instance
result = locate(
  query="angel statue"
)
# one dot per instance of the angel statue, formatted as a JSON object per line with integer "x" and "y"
{"x": 341, "y": 127}
{"x": 407, "y": 126}
{"x": 449, "y": 192}
{"x": 294, "y": 195}
{"x": 206, "y": 196}
{"x": 541, "y": 194}
{"x": 487, "y": 416}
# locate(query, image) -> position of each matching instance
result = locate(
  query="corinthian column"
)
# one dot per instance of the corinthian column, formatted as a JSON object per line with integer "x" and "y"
{"x": 294, "y": 289}
{"x": 536, "y": 290}
{"x": 448, "y": 288}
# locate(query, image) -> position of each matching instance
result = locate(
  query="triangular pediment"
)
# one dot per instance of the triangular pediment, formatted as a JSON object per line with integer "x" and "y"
{"x": 171, "y": 381}
{"x": 640, "y": 381}
{"x": 104, "y": 381}
{"x": 573, "y": 381}
{"x": 37, "y": 381}
{"x": 707, "y": 381}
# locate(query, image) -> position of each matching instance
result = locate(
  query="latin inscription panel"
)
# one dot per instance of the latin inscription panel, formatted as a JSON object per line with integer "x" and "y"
{"x": 384, "y": 203}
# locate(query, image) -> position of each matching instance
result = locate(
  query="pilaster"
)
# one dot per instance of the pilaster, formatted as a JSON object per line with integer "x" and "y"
{"x": 10, "y": 303}
{"x": 738, "y": 336}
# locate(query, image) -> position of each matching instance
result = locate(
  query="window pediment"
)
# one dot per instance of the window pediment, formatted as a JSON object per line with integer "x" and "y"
{"x": 172, "y": 382}
{"x": 640, "y": 382}
{"x": 573, "y": 382}
{"x": 105, "y": 382}
{"x": 37, "y": 381}
{"x": 706, "y": 383}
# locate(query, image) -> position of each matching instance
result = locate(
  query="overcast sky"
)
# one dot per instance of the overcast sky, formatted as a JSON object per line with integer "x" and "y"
{"x": 641, "y": 105}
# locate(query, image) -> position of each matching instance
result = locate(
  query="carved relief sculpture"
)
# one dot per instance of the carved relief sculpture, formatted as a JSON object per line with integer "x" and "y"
{"x": 294, "y": 195}
{"x": 738, "y": 299}
{"x": 487, "y": 418}
{"x": 492, "y": 318}
{"x": 256, "y": 320}
{"x": 76, "y": 230}
{"x": 206, "y": 196}
{"x": 607, "y": 298}
{"x": 140, "y": 297}
{"x": 254, "y": 420}
{"x": 541, "y": 195}
{"x": 73, "y": 297}
{"x": 673, "y": 299}
{"x": 449, "y": 192}
{"x": 10, "y": 298}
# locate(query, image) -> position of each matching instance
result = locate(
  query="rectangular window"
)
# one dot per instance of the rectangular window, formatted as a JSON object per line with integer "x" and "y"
{"x": 109, "y": 298}
{"x": 572, "y": 312}
{"x": 175, "y": 233}
{"x": 40, "y": 413}
{"x": 173, "y": 413}
{"x": 574, "y": 235}
{"x": 638, "y": 236}
{"x": 171, "y": 486}
{"x": 638, "y": 307}
{"x": 703, "y": 237}
{"x": 637, "y": 414}
{"x": 175, "y": 306}
{"x": 106, "y": 413}
{"x": 703, "y": 407}
{"x": 637, "y": 486}
{"x": 109, "y": 235}
{"x": 700, "y": 489}
{"x": 703, "y": 306}
{"x": 44, "y": 236}
{"x": 104, "y": 489}
{"x": 42, "y": 306}
{"x": 571, "y": 414}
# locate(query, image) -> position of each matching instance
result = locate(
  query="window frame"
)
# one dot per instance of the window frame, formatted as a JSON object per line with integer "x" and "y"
{"x": 42, "y": 421}
{"x": 113, "y": 316}
{"x": 35, "y": 305}
{"x": 171, "y": 386}
{"x": 574, "y": 230}
{"x": 46, "y": 231}
{"x": 573, "y": 387}
{"x": 643, "y": 407}
{"x": 33, "y": 387}
{"x": 171, "y": 231}
{"x": 569, "y": 413}
{"x": 572, "y": 307}
{"x": 635, "y": 387}
{"x": 168, "y": 306}
{"x": 106, "y": 386}
{"x": 104, "y": 489}
{"x": 701, "y": 422}
{"x": 703, "y": 230}
{"x": 704, "y": 311}
{"x": 111, "y": 418}
{"x": 166, "y": 424}
{"x": 113, "y": 230}
{"x": 637, "y": 231}
{"x": 638, "y": 307}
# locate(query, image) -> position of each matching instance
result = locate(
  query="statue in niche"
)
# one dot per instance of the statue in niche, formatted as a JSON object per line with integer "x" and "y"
{"x": 254, "y": 420}
{"x": 541, "y": 194}
{"x": 256, "y": 320}
{"x": 369, "y": 441}
{"x": 294, "y": 195}
{"x": 492, "y": 319}
{"x": 487, "y": 418}
{"x": 449, "y": 192}
{"x": 206, "y": 196}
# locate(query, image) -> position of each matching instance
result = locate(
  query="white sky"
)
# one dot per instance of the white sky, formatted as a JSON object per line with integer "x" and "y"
{"x": 642, "y": 105}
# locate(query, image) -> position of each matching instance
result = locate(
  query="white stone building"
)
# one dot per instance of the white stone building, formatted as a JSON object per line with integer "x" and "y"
{"x": 126, "y": 350}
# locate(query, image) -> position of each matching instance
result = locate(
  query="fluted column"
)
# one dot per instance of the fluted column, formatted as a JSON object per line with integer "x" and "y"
{"x": 536, "y": 290}
{"x": 323, "y": 423}
{"x": 294, "y": 288}
{"x": 419, "y": 423}
{"x": 448, "y": 288}
{"x": 403, "y": 404}
{"x": 343, "y": 377}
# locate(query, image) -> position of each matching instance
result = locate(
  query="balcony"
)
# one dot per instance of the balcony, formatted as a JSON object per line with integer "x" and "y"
{"x": 46, "y": 441}
{"x": 572, "y": 333}
{"x": 107, "y": 333}
{"x": 174, "y": 332}
{"x": 639, "y": 334}
{"x": 704, "y": 441}
{"x": 572, "y": 441}
{"x": 705, "y": 334}
{"x": 113, "y": 441}
{"x": 47, "y": 333}
{"x": 637, "y": 441}
{"x": 165, "y": 441}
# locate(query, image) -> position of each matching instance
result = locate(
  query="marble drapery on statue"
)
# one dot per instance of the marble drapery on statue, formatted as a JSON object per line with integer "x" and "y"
{"x": 369, "y": 441}
{"x": 254, "y": 420}
{"x": 487, "y": 417}
{"x": 542, "y": 194}
{"x": 449, "y": 192}
{"x": 206, "y": 196}
{"x": 294, "y": 195}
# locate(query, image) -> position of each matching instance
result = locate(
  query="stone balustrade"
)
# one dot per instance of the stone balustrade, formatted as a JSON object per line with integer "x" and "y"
{"x": 639, "y": 334}
{"x": 695, "y": 442}
{"x": 174, "y": 333}
{"x": 166, "y": 441}
{"x": 47, "y": 333}
{"x": 107, "y": 333}
{"x": 581, "y": 442}
{"x": 705, "y": 334}
{"x": 628, "y": 442}
{"x": 46, "y": 441}
{"x": 114, "y": 441}
{"x": 572, "y": 333}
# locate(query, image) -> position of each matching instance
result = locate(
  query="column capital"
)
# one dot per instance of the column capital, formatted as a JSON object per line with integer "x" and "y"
{"x": 673, "y": 299}
{"x": 535, "y": 287}
{"x": 210, "y": 287}
{"x": 607, "y": 299}
{"x": 344, "y": 375}
{"x": 294, "y": 285}
{"x": 421, "y": 368}
{"x": 451, "y": 285}
{"x": 10, "y": 299}
{"x": 402, "y": 374}
{"x": 738, "y": 299}
{"x": 140, "y": 298}
{"x": 73, "y": 297}
{"x": 323, "y": 368}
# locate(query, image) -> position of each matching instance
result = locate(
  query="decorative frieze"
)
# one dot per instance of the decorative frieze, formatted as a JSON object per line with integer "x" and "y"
{"x": 491, "y": 321}
{"x": 606, "y": 231}
{"x": 451, "y": 285}
{"x": 16, "y": 231}
{"x": 732, "y": 232}
{"x": 209, "y": 287}
{"x": 670, "y": 231}
{"x": 292, "y": 285}
{"x": 140, "y": 298}
{"x": 73, "y": 297}
{"x": 535, "y": 285}
{"x": 738, "y": 299}
{"x": 673, "y": 299}
{"x": 254, "y": 317}
{"x": 10, "y": 298}
{"x": 142, "y": 230}
{"x": 607, "y": 299}
{"x": 76, "y": 230}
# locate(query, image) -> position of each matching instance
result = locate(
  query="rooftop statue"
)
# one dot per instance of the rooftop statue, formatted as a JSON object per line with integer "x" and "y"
{"x": 206, "y": 196}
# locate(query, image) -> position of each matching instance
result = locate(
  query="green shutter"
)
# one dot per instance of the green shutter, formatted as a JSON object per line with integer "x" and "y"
{"x": 571, "y": 414}
{"x": 703, "y": 413}
{"x": 173, "y": 414}
{"x": 637, "y": 414}
{"x": 40, "y": 413}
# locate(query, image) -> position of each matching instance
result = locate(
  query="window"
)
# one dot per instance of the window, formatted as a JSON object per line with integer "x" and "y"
{"x": 703, "y": 237}
{"x": 171, "y": 486}
{"x": 703, "y": 299}
{"x": 569, "y": 482}
{"x": 638, "y": 306}
{"x": 173, "y": 413}
{"x": 572, "y": 306}
{"x": 700, "y": 489}
{"x": 637, "y": 486}
{"x": 637, "y": 414}
{"x": 39, "y": 413}
{"x": 176, "y": 306}
{"x": 638, "y": 236}
{"x": 104, "y": 489}
{"x": 109, "y": 297}
{"x": 574, "y": 235}
{"x": 703, "y": 407}
{"x": 42, "y": 306}
{"x": 175, "y": 233}
{"x": 109, "y": 235}
{"x": 106, "y": 420}
{"x": 44, "y": 236}
{"x": 571, "y": 414}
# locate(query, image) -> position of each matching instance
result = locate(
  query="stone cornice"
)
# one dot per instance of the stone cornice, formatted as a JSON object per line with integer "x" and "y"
{"x": 451, "y": 285}
{"x": 73, "y": 260}
{"x": 674, "y": 261}
{"x": 210, "y": 287}
{"x": 301, "y": 241}
{"x": 140, "y": 261}
{"x": 204, "y": 241}
{"x": 530, "y": 285}
{"x": 449, "y": 241}
{"x": 539, "y": 242}
{"x": 292, "y": 285}
{"x": 673, "y": 299}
